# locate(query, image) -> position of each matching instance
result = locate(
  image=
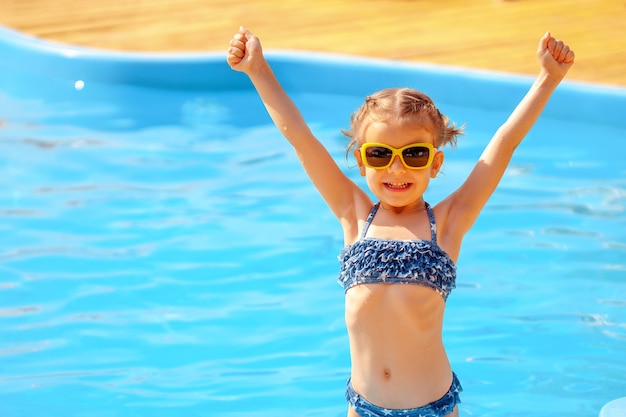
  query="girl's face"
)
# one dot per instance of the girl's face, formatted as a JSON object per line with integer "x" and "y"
{"x": 398, "y": 186}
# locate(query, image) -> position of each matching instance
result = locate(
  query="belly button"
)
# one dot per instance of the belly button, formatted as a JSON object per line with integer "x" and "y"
{"x": 387, "y": 373}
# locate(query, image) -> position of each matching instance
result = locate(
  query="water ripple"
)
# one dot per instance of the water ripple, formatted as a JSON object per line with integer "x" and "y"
{"x": 132, "y": 252}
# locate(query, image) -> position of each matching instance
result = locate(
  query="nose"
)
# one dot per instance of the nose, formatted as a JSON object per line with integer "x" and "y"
{"x": 396, "y": 165}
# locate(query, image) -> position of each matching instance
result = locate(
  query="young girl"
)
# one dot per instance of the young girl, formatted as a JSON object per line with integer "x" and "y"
{"x": 399, "y": 364}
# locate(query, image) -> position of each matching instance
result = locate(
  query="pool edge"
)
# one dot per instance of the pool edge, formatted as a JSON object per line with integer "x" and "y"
{"x": 302, "y": 71}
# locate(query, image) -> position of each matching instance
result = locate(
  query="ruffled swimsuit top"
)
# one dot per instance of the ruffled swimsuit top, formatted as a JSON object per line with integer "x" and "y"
{"x": 381, "y": 261}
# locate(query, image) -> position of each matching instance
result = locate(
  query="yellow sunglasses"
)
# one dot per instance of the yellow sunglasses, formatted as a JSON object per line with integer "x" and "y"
{"x": 413, "y": 156}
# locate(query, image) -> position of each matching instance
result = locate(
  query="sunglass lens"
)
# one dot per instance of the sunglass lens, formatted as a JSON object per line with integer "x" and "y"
{"x": 378, "y": 156}
{"x": 416, "y": 156}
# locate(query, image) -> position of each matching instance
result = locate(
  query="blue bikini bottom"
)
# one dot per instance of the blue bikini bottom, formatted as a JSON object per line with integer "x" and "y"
{"x": 439, "y": 408}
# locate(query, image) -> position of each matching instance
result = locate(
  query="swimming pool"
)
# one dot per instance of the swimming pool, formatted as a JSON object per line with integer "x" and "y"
{"x": 163, "y": 254}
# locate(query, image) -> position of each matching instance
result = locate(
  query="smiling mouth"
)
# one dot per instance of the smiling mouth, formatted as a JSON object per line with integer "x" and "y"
{"x": 398, "y": 185}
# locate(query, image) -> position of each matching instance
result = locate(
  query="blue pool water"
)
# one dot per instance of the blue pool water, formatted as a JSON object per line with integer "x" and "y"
{"x": 163, "y": 254}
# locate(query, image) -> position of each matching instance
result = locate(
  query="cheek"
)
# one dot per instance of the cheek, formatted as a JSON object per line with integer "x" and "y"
{"x": 371, "y": 176}
{"x": 372, "y": 183}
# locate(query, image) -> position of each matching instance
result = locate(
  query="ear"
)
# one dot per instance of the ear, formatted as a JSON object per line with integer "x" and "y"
{"x": 437, "y": 163}
{"x": 359, "y": 161}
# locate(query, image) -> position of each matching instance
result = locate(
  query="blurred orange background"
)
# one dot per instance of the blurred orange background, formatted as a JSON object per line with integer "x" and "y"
{"x": 487, "y": 34}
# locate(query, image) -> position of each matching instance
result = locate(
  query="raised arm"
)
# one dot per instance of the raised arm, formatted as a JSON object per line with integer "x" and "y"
{"x": 465, "y": 204}
{"x": 245, "y": 55}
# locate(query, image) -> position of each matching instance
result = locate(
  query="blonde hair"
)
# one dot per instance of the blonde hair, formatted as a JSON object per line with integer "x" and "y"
{"x": 401, "y": 104}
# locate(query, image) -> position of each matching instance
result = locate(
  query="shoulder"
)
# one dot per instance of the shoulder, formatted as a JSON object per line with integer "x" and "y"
{"x": 450, "y": 231}
{"x": 353, "y": 218}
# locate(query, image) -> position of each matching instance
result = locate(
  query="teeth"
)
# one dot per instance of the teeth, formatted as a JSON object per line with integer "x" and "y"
{"x": 398, "y": 186}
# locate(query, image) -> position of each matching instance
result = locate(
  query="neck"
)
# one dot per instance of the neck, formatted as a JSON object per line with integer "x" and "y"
{"x": 417, "y": 207}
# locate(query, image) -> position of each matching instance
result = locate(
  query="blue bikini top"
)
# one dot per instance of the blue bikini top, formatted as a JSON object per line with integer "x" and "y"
{"x": 381, "y": 261}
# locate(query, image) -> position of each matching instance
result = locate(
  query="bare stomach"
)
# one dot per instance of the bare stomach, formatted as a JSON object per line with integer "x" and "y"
{"x": 398, "y": 357}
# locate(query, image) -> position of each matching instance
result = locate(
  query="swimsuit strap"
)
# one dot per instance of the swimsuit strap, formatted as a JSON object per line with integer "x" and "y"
{"x": 369, "y": 219}
{"x": 431, "y": 218}
{"x": 433, "y": 225}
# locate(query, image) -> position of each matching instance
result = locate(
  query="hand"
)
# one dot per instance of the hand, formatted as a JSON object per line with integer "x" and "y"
{"x": 555, "y": 57}
{"x": 245, "y": 51}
